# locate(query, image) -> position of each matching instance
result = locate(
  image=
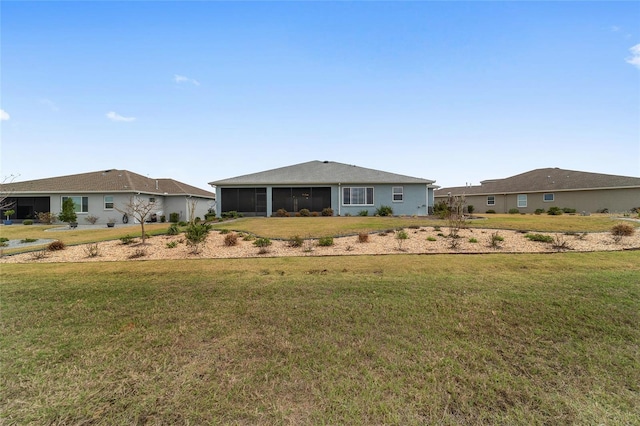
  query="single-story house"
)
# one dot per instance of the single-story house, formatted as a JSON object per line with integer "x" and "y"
{"x": 102, "y": 193}
{"x": 550, "y": 187}
{"x": 316, "y": 185}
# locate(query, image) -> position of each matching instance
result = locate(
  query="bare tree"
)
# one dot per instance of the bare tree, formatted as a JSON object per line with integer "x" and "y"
{"x": 139, "y": 209}
{"x": 192, "y": 203}
{"x": 5, "y": 192}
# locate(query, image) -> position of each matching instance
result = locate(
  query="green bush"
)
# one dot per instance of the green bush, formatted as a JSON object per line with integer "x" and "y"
{"x": 473, "y": 240}
{"x": 27, "y": 222}
{"x": 539, "y": 211}
{"x": 174, "y": 217}
{"x": 296, "y": 241}
{"x": 554, "y": 211}
{"x": 68, "y": 213}
{"x": 231, "y": 215}
{"x": 325, "y": 241}
{"x": 432, "y": 239}
{"x": 514, "y": 211}
{"x": 384, "y": 211}
{"x": 172, "y": 244}
{"x": 305, "y": 213}
{"x": 282, "y": 213}
{"x": 568, "y": 210}
{"x": 363, "y": 213}
{"x": 163, "y": 218}
{"x": 127, "y": 239}
{"x": 28, "y": 240}
{"x": 327, "y": 211}
{"x": 540, "y": 238}
{"x": 470, "y": 209}
{"x": 441, "y": 209}
{"x": 262, "y": 242}
{"x": 182, "y": 223}
{"x": 173, "y": 229}
{"x": 196, "y": 234}
{"x": 490, "y": 211}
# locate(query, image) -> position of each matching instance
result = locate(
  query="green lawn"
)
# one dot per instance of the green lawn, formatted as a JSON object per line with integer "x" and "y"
{"x": 497, "y": 339}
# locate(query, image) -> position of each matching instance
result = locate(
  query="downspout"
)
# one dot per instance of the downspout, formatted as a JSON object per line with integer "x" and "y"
{"x": 339, "y": 198}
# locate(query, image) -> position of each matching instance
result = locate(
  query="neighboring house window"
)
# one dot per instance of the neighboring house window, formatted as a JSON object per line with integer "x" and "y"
{"x": 108, "y": 202}
{"x": 547, "y": 197}
{"x": 491, "y": 200}
{"x": 152, "y": 199}
{"x": 522, "y": 200}
{"x": 357, "y": 196}
{"x": 398, "y": 194}
{"x": 81, "y": 204}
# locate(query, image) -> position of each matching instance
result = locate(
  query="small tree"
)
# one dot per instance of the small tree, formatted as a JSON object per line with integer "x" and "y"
{"x": 68, "y": 213}
{"x": 196, "y": 234}
{"x": 140, "y": 210}
{"x": 455, "y": 215}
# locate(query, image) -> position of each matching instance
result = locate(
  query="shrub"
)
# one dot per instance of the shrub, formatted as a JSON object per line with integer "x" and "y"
{"x": 163, "y": 218}
{"x": 470, "y": 209}
{"x": 262, "y": 242}
{"x": 539, "y": 211}
{"x": 224, "y": 231}
{"x": 196, "y": 234}
{"x": 568, "y": 210}
{"x": 363, "y": 213}
{"x": 231, "y": 215}
{"x": 46, "y": 217}
{"x": 384, "y": 211}
{"x": 56, "y": 245}
{"x": 363, "y": 237}
{"x": 540, "y": 238}
{"x": 173, "y": 229}
{"x": 441, "y": 209}
{"x": 172, "y": 244}
{"x": 400, "y": 237}
{"x": 92, "y": 219}
{"x": 27, "y": 222}
{"x": 68, "y": 213}
{"x": 305, "y": 213}
{"x": 514, "y": 211}
{"x": 296, "y": 241}
{"x": 473, "y": 240}
{"x": 495, "y": 240}
{"x": 140, "y": 252}
{"x": 127, "y": 239}
{"x": 39, "y": 254}
{"x": 623, "y": 230}
{"x": 182, "y": 223}
{"x": 315, "y": 214}
{"x": 432, "y": 239}
{"x": 282, "y": 213}
{"x": 28, "y": 240}
{"x": 174, "y": 217}
{"x": 231, "y": 239}
{"x": 491, "y": 211}
{"x": 554, "y": 211}
{"x": 327, "y": 211}
{"x": 248, "y": 237}
{"x": 92, "y": 250}
{"x": 325, "y": 241}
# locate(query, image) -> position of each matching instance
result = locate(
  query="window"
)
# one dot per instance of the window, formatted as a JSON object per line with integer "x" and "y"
{"x": 547, "y": 198}
{"x": 108, "y": 202}
{"x": 81, "y": 204}
{"x": 522, "y": 200}
{"x": 398, "y": 194}
{"x": 152, "y": 199}
{"x": 491, "y": 200}
{"x": 357, "y": 196}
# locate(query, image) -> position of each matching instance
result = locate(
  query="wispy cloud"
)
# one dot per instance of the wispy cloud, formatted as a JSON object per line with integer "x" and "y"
{"x": 615, "y": 28}
{"x": 634, "y": 59}
{"x": 4, "y": 115}
{"x": 183, "y": 79}
{"x": 117, "y": 117}
{"x": 49, "y": 103}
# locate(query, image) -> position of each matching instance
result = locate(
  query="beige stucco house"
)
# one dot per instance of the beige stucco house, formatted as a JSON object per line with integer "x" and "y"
{"x": 544, "y": 188}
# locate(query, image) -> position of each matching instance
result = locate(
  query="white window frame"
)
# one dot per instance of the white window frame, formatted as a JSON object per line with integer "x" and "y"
{"x": 74, "y": 203}
{"x": 544, "y": 198}
{"x": 347, "y": 199}
{"x": 108, "y": 202}
{"x": 522, "y": 201}
{"x": 397, "y": 191}
{"x": 491, "y": 200}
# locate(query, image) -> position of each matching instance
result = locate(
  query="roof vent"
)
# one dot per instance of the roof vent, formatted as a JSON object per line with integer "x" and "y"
{"x": 325, "y": 162}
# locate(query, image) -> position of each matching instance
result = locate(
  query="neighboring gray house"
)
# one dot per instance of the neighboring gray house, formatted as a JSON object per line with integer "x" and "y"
{"x": 316, "y": 185}
{"x": 101, "y": 193}
{"x": 544, "y": 188}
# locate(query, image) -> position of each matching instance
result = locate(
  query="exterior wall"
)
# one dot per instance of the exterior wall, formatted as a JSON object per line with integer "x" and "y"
{"x": 614, "y": 200}
{"x": 182, "y": 206}
{"x": 415, "y": 200}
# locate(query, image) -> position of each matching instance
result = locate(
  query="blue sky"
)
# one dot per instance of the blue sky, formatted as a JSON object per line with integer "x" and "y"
{"x": 200, "y": 91}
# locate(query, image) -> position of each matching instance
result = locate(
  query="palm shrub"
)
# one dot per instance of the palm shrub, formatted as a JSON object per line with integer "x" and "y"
{"x": 325, "y": 241}
{"x": 196, "y": 234}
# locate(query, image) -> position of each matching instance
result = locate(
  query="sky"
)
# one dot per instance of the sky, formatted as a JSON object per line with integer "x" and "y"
{"x": 456, "y": 92}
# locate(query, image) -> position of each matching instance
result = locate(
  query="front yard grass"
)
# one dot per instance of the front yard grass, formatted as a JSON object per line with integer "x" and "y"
{"x": 500, "y": 339}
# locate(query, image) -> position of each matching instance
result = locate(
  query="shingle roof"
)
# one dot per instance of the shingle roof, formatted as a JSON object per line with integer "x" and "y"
{"x": 549, "y": 179}
{"x": 320, "y": 173}
{"x": 106, "y": 181}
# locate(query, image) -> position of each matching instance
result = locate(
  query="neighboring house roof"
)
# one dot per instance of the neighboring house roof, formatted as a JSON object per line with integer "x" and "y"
{"x": 320, "y": 173}
{"x": 545, "y": 180}
{"x": 106, "y": 181}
